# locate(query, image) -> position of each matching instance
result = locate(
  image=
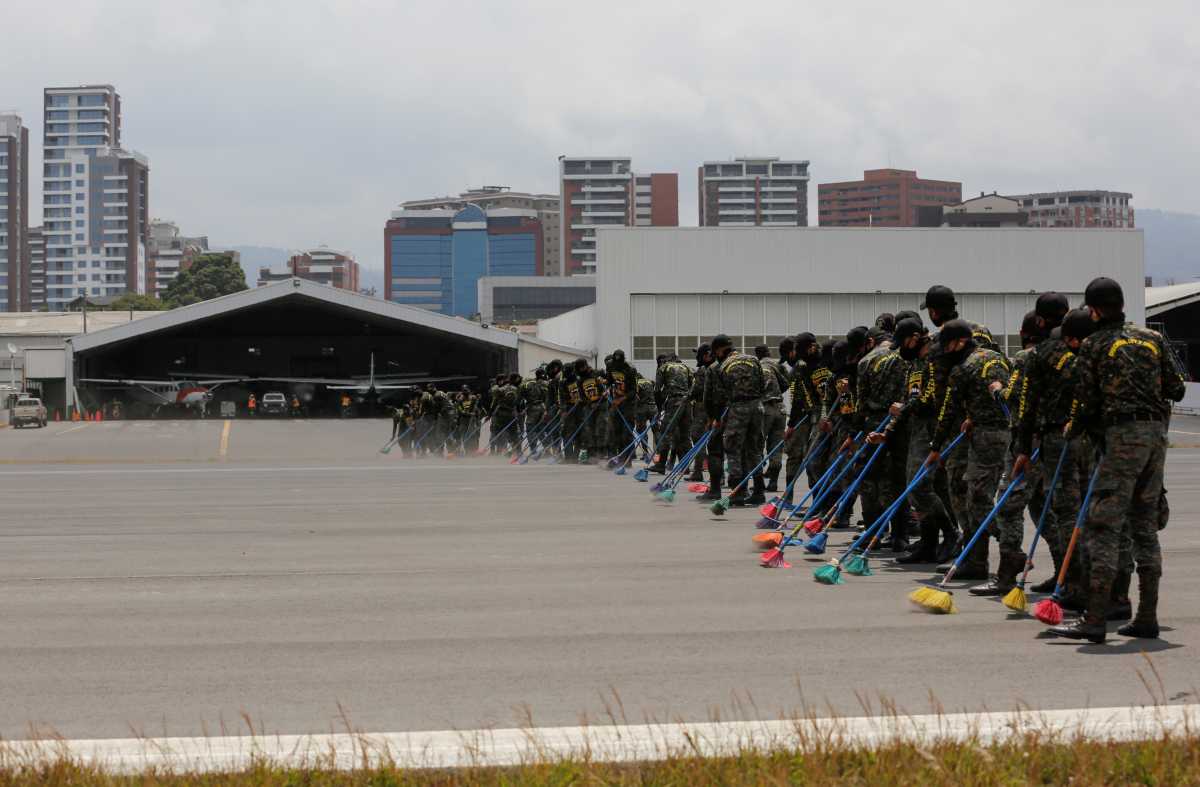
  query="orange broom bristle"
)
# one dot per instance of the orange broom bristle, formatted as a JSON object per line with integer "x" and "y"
{"x": 1048, "y": 611}
{"x": 768, "y": 540}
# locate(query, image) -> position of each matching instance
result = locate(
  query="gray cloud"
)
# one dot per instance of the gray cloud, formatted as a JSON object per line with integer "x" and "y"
{"x": 295, "y": 123}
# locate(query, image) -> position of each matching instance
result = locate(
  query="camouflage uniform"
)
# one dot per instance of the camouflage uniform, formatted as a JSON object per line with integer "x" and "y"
{"x": 622, "y": 386}
{"x": 673, "y": 385}
{"x": 738, "y": 382}
{"x": 534, "y": 394}
{"x": 930, "y": 501}
{"x": 573, "y": 413}
{"x": 646, "y": 410}
{"x": 700, "y": 419}
{"x": 1126, "y": 376}
{"x": 968, "y": 396}
{"x": 804, "y": 401}
{"x": 504, "y": 410}
{"x": 883, "y": 381}
{"x": 591, "y": 436}
{"x": 774, "y": 419}
{"x": 1031, "y": 492}
{"x": 824, "y": 386}
{"x": 1043, "y": 407}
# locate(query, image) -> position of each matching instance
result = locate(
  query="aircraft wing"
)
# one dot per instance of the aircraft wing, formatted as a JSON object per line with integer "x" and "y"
{"x": 396, "y": 386}
{"x": 125, "y": 381}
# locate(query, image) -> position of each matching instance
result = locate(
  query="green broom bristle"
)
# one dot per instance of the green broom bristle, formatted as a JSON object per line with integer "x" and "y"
{"x": 858, "y": 565}
{"x": 829, "y": 574}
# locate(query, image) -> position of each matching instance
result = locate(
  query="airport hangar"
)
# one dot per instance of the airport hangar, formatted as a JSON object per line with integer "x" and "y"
{"x": 293, "y": 328}
{"x": 666, "y": 289}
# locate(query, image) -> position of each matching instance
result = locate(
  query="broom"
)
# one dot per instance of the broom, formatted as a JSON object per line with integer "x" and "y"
{"x": 770, "y": 511}
{"x": 567, "y": 444}
{"x": 495, "y": 437}
{"x": 776, "y": 538}
{"x": 387, "y": 448}
{"x": 1049, "y": 610}
{"x": 680, "y": 466}
{"x": 666, "y": 491}
{"x": 630, "y": 452}
{"x": 721, "y": 506}
{"x": 816, "y": 545}
{"x": 858, "y": 563}
{"x": 1015, "y": 599}
{"x": 421, "y": 438}
{"x": 560, "y": 419}
{"x": 536, "y": 438}
{"x": 659, "y": 449}
{"x": 817, "y": 524}
{"x": 938, "y": 599}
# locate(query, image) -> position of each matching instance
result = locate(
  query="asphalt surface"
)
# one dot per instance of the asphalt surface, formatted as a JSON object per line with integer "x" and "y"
{"x": 178, "y": 578}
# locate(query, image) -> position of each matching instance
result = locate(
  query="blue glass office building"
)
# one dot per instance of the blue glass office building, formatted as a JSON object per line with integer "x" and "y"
{"x": 434, "y": 258}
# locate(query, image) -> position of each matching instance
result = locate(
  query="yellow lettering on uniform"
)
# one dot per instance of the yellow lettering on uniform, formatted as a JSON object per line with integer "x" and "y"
{"x": 1058, "y": 367}
{"x": 1119, "y": 343}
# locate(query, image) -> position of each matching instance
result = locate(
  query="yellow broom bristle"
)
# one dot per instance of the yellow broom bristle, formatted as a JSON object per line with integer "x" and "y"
{"x": 930, "y": 599}
{"x": 1016, "y": 601}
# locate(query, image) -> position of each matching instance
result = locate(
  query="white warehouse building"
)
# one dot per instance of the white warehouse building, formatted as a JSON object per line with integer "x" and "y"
{"x": 667, "y": 289}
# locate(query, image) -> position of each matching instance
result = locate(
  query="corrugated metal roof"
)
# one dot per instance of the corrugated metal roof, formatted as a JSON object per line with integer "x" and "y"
{"x": 1160, "y": 298}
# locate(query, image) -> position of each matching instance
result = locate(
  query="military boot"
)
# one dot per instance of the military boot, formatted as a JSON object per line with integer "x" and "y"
{"x": 773, "y": 482}
{"x": 698, "y": 468}
{"x": 758, "y": 496}
{"x": 949, "y": 546}
{"x": 1005, "y": 580}
{"x": 1145, "y": 624}
{"x": 1120, "y": 607}
{"x": 660, "y": 468}
{"x": 926, "y": 549}
{"x": 1090, "y": 625}
{"x": 714, "y": 490}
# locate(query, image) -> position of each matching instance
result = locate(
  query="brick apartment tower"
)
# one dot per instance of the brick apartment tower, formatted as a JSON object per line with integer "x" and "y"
{"x": 14, "y": 215}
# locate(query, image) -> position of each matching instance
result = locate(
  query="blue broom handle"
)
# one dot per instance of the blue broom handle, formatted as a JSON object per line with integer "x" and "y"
{"x": 987, "y": 520}
{"x": 671, "y": 423}
{"x": 544, "y": 429}
{"x": 808, "y": 457}
{"x": 922, "y": 472}
{"x": 836, "y": 463}
{"x": 578, "y": 429}
{"x": 1081, "y": 517}
{"x": 712, "y": 430}
{"x": 502, "y": 431}
{"x": 1037, "y": 534}
{"x": 846, "y": 468}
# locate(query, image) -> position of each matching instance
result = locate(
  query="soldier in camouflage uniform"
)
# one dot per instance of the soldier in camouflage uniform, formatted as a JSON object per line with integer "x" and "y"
{"x": 738, "y": 383}
{"x": 883, "y": 391}
{"x": 1126, "y": 380}
{"x": 646, "y": 411}
{"x": 970, "y": 404}
{"x": 621, "y": 380}
{"x": 504, "y": 409}
{"x": 591, "y": 436}
{"x": 534, "y": 395}
{"x": 802, "y": 354}
{"x": 673, "y": 386}
{"x": 1009, "y": 528}
{"x": 699, "y": 417}
{"x": 571, "y": 397}
{"x": 774, "y": 419}
{"x": 825, "y": 384}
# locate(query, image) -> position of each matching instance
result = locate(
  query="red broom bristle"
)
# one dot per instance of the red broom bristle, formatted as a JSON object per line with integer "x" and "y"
{"x": 1048, "y": 611}
{"x": 514, "y": 460}
{"x": 813, "y": 526}
{"x": 769, "y": 510}
{"x": 773, "y": 558}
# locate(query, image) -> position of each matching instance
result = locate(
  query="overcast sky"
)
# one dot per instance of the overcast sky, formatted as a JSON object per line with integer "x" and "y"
{"x": 302, "y": 122}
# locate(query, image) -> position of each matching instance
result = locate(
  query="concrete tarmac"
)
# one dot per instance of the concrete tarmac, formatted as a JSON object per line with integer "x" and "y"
{"x": 183, "y": 577}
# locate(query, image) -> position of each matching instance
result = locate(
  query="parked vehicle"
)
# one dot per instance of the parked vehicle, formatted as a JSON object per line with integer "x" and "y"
{"x": 273, "y": 403}
{"x": 29, "y": 410}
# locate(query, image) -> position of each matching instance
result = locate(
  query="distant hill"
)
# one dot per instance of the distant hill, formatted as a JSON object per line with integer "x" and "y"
{"x": 1172, "y": 245}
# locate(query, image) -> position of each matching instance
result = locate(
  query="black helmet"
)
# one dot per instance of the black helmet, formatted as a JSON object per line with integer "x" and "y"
{"x": 721, "y": 340}
{"x": 886, "y": 322}
{"x": 618, "y": 356}
{"x": 953, "y": 330}
{"x": 907, "y": 314}
{"x": 856, "y": 338}
{"x": 762, "y": 351}
{"x": 1104, "y": 293}
{"x": 1029, "y": 325}
{"x": 940, "y": 297}
{"x": 906, "y": 328}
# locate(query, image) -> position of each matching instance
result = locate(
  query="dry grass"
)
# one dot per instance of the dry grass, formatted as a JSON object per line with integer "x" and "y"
{"x": 1036, "y": 759}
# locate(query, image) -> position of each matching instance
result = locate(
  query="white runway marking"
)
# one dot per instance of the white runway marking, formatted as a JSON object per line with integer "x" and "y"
{"x": 625, "y": 743}
{"x": 72, "y": 429}
{"x": 1180, "y": 431}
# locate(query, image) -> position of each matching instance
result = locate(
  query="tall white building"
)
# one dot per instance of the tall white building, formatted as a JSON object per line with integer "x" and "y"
{"x": 14, "y": 214}
{"x": 748, "y": 192}
{"x": 170, "y": 253}
{"x": 95, "y": 220}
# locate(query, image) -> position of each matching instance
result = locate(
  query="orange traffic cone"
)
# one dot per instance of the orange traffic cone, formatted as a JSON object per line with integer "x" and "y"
{"x": 74, "y": 415}
{"x": 57, "y": 415}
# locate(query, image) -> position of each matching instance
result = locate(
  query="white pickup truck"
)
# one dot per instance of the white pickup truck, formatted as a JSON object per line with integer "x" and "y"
{"x": 29, "y": 411}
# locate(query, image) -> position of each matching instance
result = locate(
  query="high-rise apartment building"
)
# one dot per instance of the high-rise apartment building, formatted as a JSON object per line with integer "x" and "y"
{"x": 605, "y": 191}
{"x": 14, "y": 214}
{"x": 883, "y": 198}
{"x": 95, "y": 213}
{"x": 322, "y": 265}
{"x": 170, "y": 254}
{"x": 488, "y": 197}
{"x": 749, "y": 192}
{"x": 1085, "y": 208}
{"x": 37, "y": 269}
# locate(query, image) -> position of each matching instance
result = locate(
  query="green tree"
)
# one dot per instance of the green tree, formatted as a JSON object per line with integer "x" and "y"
{"x": 137, "y": 302}
{"x": 210, "y": 276}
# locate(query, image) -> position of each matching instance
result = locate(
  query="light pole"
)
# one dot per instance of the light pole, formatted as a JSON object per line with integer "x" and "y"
{"x": 12, "y": 365}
